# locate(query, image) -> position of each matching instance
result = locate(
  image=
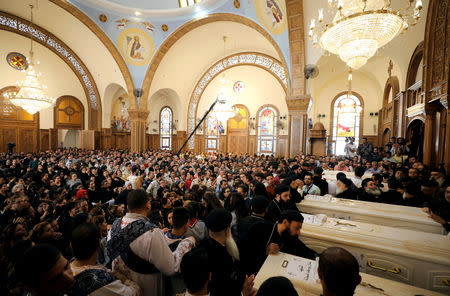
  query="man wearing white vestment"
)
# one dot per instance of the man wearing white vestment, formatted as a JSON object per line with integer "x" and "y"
{"x": 139, "y": 249}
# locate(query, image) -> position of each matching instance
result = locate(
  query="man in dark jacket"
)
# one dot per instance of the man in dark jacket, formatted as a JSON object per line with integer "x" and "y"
{"x": 319, "y": 181}
{"x": 226, "y": 278}
{"x": 258, "y": 207}
{"x": 280, "y": 203}
{"x": 282, "y": 236}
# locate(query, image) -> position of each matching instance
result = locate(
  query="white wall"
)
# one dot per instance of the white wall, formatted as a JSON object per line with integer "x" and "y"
{"x": 56, "y": 74}
{"x": 324, "y": 92}
{"x": 192, "y": 55}
{"x": 162, "y": 98}
{"x": 75, "y": 35}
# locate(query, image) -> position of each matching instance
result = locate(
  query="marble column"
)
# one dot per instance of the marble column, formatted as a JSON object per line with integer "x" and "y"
{"x": 298, "y": 107}
{"x": 138, "y": 121}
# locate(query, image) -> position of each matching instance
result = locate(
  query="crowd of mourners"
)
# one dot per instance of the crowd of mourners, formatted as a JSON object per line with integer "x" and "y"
{"x": 81, "y": 222}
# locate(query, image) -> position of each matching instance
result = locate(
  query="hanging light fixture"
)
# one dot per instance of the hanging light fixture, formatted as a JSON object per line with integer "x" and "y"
{"x": 361, "y": 27}
{"x": 223, "y": 110}
{"x": 7, "y": 107}
{"x": 31, "y": 96}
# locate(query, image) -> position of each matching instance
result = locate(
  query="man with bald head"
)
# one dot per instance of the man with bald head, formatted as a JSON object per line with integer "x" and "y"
{"x": 338, "y": 272}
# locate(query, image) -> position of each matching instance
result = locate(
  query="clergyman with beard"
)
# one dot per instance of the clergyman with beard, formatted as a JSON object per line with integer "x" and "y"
{"x": 371, "y": 192}
{"x": 268, "y": 238}
{"x": 223, "y": 256}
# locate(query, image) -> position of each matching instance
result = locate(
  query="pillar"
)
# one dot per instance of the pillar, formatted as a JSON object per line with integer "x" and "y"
{"x": 298, "y": 107}
{"x": 429, "y": 143}
{"x": 138, "y": 121}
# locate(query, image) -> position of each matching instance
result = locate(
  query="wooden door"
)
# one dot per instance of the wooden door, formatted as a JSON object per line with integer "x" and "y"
{"x": 237, "y": 131}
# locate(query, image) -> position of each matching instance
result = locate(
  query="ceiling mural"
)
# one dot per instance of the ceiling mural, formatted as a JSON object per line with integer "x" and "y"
{"x": 136, "y": 46}
{"x": 138, "y": 29}
{"x": 272, "y": 14}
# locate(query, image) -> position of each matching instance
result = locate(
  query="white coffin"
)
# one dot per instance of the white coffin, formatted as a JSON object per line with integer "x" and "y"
{"x": 307, "y": 283}
{"x": 369, "y": 212}
{"x": 416, "y": 258}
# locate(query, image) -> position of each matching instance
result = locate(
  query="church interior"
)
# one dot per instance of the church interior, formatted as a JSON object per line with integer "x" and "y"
{"x": 272, "y": 90}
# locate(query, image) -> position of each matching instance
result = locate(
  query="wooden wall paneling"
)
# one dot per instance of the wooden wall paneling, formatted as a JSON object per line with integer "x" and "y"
{"x": 53, "y": 138}
{"x": 252, "y": 144}
{"x": 44, "y": 144}
{"x": 282, "y": 145}
{"x": 27, "y": 140}
{"x": 10, "y": 136}
{"x": 181, "y": 137}
{"x": 223, "y": 144}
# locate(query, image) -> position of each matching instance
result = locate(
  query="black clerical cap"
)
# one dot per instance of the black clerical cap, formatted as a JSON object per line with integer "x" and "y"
{"x": 218, "y": 220}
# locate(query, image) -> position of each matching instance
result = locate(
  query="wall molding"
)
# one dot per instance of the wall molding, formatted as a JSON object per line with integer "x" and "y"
{"x": 263, "y": 61}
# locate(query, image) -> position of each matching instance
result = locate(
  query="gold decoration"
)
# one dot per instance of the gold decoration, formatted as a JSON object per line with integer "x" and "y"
{"x": 360, "y": 27}
{"x": 103, "y": 18}
{"x": 165, "y": 28}
{"x": 237, "y": 4}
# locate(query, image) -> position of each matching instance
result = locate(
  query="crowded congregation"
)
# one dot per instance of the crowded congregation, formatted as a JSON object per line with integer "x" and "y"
{"x": 224, "y": 148}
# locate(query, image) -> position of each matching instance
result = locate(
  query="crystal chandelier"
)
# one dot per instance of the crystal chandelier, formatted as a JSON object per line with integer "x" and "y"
{"x": 31, "y": 96}
{"x": 360, "y": 27}
{"x": 7, "y": 107}
{"x": 223, "y": 110}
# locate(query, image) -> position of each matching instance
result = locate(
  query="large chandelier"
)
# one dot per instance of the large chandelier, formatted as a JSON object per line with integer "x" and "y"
{"x": 31, "y": 96}
{"x": 223, "y": 110}
{"x": 7, "y": 107}
{"x": 360, "y": 27}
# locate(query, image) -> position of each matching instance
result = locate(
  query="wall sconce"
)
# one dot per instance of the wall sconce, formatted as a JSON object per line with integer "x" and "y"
{"x": 320, "y": 116}
{"x": 283, "y": 117}
{"x": 373, "y": 114}
{"x": 175, "y": 125}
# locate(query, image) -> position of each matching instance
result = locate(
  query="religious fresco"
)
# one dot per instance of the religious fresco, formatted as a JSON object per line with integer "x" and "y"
{"x": 17, "y": 61}
{"x": 136, "y": 46}
{"x": 272, "y": 15}
{"x": 120, "y": 120}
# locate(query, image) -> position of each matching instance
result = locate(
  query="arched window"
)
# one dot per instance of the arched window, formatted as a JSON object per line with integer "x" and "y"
{"x": 212, "y": 128}
{"x": 346, "y": 121}
{"x": 267, "y": 130}
{"x": 165, "y": 128}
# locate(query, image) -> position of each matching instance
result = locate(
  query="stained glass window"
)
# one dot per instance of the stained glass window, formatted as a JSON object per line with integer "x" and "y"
{"x": 212, "y": 133}
{"x": 165, "y": 130}
{"x": 267, "y": 131}
{"x": 346, "y": 120}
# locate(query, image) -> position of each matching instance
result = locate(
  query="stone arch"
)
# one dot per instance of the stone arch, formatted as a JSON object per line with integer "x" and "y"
{"x": 189, "y": 26}
{"x": 393, "y": 85}
{"x": 23, "y": 27}
{"x": 265, "y": 62}
{"x": 106, "y": 42}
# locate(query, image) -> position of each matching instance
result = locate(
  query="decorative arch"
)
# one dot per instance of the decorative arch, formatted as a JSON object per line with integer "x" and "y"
{"x": 265, "y": 62}
{"x": 414, "y": 64}
{"x": 333, "y": 115}
{"x": 165, "y": 127}
{"x": 267, "y": 142}
{"x": 189, "y": 26}
{"x": 393, "y": 85}
{"x": 23, "y": 27}
{"x": 106, "y": 42}
{"x": 68, "y": 113}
